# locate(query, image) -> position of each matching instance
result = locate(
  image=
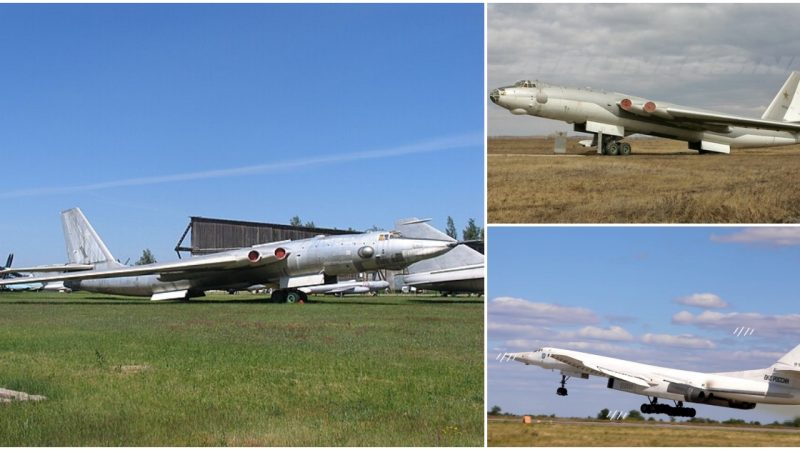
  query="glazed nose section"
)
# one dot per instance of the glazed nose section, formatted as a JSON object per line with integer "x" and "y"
{"x": 495, "y": 96}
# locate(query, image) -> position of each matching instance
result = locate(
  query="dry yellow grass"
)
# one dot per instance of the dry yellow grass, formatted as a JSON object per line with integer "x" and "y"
{"x": 661, "y": 182}
{"x": 517, "y": 434}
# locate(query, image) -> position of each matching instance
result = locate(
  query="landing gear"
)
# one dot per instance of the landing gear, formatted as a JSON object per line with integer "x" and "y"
{"x": 288, "y": 296}
{"x": 562, "y": 391}
{"x": 612, "y": 146}
{"x": 673, "y": 411}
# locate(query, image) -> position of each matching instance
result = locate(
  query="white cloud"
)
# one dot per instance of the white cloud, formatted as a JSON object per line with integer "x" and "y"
{"x": 669, "y": 340}
{"x": 764, "y": 325}
{"x": 522, "y": 310}
{"x": 777, "y": 236}
{"x": 613, "y": 333}
{"x": 706, "y": 300}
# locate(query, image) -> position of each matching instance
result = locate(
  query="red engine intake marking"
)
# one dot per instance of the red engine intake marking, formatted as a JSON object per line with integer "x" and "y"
{"x": 625, "y": 103}
{"x": 253, "y": 256}
{"x": 280, "y": 253}
{"x": 649, "y": 107}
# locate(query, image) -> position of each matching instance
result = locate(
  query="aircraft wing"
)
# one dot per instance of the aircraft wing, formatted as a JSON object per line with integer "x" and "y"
{"x": 712, "y": 120}
{"x": 599, "y": 370}
{"x": 49, "y": 268}
{"x": 239, "y": 259}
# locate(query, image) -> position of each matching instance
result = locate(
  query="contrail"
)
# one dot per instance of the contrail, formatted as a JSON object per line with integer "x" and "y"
{"x": 430, "y": 146}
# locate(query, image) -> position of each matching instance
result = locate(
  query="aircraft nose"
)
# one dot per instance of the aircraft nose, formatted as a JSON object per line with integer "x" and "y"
{"x": 495, "y": 96}
{"x": 424, "y": 249}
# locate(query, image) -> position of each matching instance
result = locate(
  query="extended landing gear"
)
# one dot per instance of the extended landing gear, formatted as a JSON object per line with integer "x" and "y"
{"x": 612, "y": 146}
{"x": 288, "y": 296}
{"x": 673, "y": 411}
{"x": 562, "y": 391}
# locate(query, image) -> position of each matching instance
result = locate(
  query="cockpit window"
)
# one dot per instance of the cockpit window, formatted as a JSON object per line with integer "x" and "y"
{"x": 525, "y": 84}
{"x": 394, "y": 235}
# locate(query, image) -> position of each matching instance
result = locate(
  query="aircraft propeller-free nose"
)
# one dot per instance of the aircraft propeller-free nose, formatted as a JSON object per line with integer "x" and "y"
{"x": 495, "y": 96}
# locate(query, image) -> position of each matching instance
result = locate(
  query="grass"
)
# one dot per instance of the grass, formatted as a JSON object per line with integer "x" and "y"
{"x": 231, "y": 370}
{"x": 604, "y": 434}
{"x": 661, "y": 182}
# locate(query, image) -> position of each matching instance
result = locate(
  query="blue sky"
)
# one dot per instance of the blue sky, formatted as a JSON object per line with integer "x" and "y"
{"x": 670, "y": 296}
{"x": 347, "y": 115}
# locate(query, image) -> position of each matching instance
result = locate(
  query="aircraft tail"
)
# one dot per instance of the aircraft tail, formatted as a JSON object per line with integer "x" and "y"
{"x": 419, "y": 229}
{"x": 84, "y": 246}
{"x": 458, "y": 257}
{"x": 785, "y": 107}
{"x": 790, "y": 360}
{"x": 7, "y": 266}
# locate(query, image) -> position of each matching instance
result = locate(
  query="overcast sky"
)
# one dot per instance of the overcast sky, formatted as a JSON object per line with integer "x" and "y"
{"x": 666, "y": 296}
{"x": 146, "y": 114}
{"x": 731, "y": 58}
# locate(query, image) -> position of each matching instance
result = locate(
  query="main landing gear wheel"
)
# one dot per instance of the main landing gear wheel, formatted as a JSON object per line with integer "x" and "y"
{"x": 659, "y": 408}
{"x": 624, "y": 149}
{"x": 612, "y": 149}
{"x": 562, "y": 391}
{"x": 288, "y": 296}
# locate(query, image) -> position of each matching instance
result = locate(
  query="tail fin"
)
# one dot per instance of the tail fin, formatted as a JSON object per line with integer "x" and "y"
{"x": 419, "y": 229}
{"x": 8, "y": 261}
{"x": 790, "y": 360}
{"x": 460, "y": 256}
{"x": 84, "y": 246}
{"x": 785, "y": 107}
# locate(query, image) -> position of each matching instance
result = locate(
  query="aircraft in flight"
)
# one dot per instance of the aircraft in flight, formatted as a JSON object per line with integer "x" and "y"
{"x": 611, "y": 117}
{"x": 284, "y": 266}
{"x": 778, "y": 384}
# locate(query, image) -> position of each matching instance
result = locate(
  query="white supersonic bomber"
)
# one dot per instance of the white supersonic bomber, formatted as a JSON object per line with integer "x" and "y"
{"x": 778, "y": 384}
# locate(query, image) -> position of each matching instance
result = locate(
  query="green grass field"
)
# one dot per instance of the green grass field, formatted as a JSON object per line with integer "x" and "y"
{"x": 232, "y": 370}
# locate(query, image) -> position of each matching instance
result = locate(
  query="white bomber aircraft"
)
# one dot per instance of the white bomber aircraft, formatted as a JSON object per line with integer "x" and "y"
{"x": 611, "y": 117}
{"x": 778, "y": 384}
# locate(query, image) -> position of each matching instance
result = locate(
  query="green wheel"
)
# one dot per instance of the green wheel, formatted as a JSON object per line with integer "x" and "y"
{"x": 293, "y": 297}
{"x": 624, "y": 149}
{"x": 612, "y": 149}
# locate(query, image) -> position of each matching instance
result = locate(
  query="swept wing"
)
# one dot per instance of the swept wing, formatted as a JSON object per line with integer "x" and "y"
{"x": 238, "y": 259}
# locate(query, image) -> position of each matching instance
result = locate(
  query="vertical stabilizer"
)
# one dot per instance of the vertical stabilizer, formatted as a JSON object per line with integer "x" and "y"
{"x": 84, "y": 246}
{"x": 419, "y": 229}
{"x": 790, "y": 360}
{"x": 785, "y": 107}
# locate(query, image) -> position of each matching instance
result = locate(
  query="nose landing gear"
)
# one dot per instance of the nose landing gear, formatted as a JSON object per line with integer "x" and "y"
{"x": 562, "y": 391}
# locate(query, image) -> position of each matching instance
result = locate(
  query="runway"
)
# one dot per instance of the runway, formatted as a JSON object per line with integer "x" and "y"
{"x": 645, "y": 424}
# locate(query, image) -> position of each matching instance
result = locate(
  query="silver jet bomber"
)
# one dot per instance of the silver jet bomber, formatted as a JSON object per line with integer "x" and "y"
{"x": 284, "y": 266}
{"x": 611, "y": 117}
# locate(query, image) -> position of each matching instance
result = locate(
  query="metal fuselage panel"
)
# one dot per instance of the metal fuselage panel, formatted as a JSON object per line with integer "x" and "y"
{"x": 756, "y": 382}
{"x": 575, "y": 105}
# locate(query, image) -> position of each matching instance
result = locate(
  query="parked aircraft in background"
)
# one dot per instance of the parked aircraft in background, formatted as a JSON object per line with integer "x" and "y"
{"x": 348, "y": 287}
{"x": 284, "y": 266}
{"x": 611, "y": 117}
{"x": 778, "y": 384}
{"x": 460, "y": 270}
{"x": 21, "y": 276}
